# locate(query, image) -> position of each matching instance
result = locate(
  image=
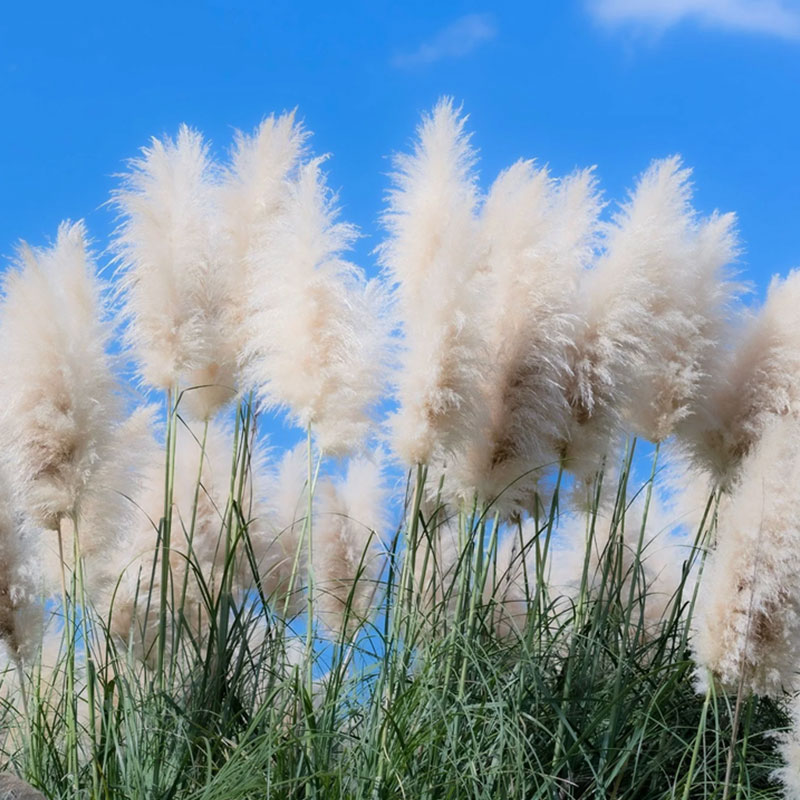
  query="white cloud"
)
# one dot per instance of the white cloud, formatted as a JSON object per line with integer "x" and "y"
{"x": 772, "y": 17}
{"x": 458, "y": 39}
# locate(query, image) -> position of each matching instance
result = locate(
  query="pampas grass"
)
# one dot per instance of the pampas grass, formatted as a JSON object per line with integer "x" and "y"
{"x": 347, "y": 534}
{"x": 176, "y": 293}
{"x": 59, "y": 403}
{"x": 751, "y": 383}
{"x": 521, "y": 614}
{"x": 279, "y": 546}
{"x": 21, "y": 612}
{"x": 317, "y": 335}
{"x": 749, "y": 621}
{"x": 539, "y": 235}
{"x": 435, "y": 259}
{"x": 252, "y": 193}
{"x": 688, "y": 295}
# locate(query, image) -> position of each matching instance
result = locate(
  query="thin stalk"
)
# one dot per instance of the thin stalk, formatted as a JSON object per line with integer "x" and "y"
{"x": 166, "y": 535}
{"x": 87, "y": 646}
{"x": 701, "y": 729}
{"x": 578, "y": 621}
{"x": 746, "y": 734}
{"x": 69, "y": 632}
{"x": 637, "y": 568}
{"x": 311, "y": 480}
{"x": 190, "y": 540}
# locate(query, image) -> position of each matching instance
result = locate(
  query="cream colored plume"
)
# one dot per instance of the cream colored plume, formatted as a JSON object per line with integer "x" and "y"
{"x": 108, "y": 511}
{"x": 751, "y": 383}
{"x": 253, "y": 192}
{"x": 347, "y": 530}
{"x": 687, "y": 294}
{"x": 280, "y": 546}
{"x": 59, "y": 403}
{"x": 748, "y": 619}
{"x": 435, "y": 258}
{"x": 437, "y": 562}
{"x": 21, "y": 611}
{"x": 176, "y": 293}
{"x": 317, "y": 330}
{"x": 666, "y": 545}
{"x": 648, "y": 318}
{"x": 789, "y": 748}
{"x": 539, "y": 234}
{"x": 200, "y": 529}
{"x": 605, "y": 350}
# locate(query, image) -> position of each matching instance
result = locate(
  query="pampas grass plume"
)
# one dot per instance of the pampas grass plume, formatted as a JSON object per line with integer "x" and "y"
{"x": 279, "y": 550}
{"x": 20, "y": 610}
{"x": 687, "y": 295}
{"x": 347, "y": 529}
{"x": 750, "y": 384}
{"x": 317, "y": 332}
{"x": 539, "y": 234}
{"x": 253, "y": 192}
{"x": 59, "y": 402}
{"x": 177, "y": 296}
{"x": 748, "y": 625}
{"x": 434, "y": 257}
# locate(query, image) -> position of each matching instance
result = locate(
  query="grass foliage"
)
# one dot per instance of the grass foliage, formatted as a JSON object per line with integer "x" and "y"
{"x": 430, "y": 697}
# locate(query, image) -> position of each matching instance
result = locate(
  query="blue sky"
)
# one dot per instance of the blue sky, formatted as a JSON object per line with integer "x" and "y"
{"x": 573, "y": 83}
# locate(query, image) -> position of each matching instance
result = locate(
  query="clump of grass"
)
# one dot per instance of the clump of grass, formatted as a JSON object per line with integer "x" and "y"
{"x": 525, "y": 615}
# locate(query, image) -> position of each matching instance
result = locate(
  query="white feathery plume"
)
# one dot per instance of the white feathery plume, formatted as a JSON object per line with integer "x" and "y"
{"x": 789, "y": 748}
{"x": 633, "y": 318}
{"x": 609, "y": 316}
{"x": 539, "y": 235}
{"x": 176, "y": 293}
{"x": 666, "y": 545}
{"x": 108, "y": 511}
{"x": 350, "y": 519}
{"x": 757, "y": 379}
{"x": 201, "y": 496}
{"x": 59, "y": 402}
{"x": 317, "y": 333}
{"x": 434, "y": 257}
{"x": 20, "y": 610}
{"x": 253, "y": 192}
{"x": 278, "y": 547}
{"x": 437, "y": 560}
{"x": 687, "y": 299}
{"x": 748, "y": 619}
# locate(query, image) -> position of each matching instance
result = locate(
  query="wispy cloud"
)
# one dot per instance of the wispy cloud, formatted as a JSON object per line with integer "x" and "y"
{"x": 458, "y": 39}
{"x": 772, "y": 17}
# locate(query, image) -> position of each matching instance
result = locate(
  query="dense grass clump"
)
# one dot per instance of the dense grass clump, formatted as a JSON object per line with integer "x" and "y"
{"x": 476, "y": 583}
{"x": 458, "y": 692}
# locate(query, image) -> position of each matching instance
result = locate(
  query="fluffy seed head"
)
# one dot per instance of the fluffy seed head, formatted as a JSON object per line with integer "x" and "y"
{"x": 20, "y": 610}
{"x": 177, "y": 293}
{"x": 58, "y": 394}
{"x": 317, "y": 332}
{"x": 433, "y": 255}
{"x": 350, "y": 518}
{"x": 756, "y": 380}
{"x": 252, "y": 193}
{"x": 687, "y": 297}
{"x": 538, "y": 235}
{"x": 749, "y": 606}
{"x": 279, "y": 547}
